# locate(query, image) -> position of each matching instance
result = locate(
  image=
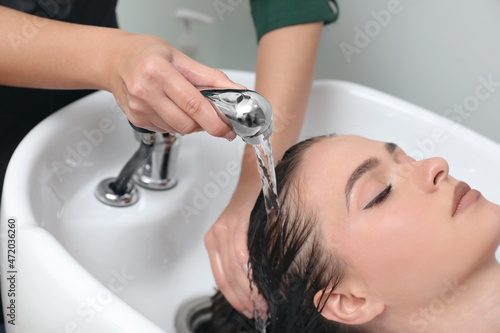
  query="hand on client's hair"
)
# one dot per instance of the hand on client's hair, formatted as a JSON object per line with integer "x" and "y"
{"x": 226, "y": 243}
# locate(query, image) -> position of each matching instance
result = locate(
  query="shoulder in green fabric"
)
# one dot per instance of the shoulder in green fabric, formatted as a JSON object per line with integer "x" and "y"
{"x": 273, "y": 14}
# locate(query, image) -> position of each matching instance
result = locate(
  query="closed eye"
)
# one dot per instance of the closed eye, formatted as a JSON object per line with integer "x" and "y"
{"x": 379, "y": 198}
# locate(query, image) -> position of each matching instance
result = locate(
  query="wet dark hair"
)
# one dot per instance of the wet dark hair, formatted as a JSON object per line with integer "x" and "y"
{"x": 288, "y": 262}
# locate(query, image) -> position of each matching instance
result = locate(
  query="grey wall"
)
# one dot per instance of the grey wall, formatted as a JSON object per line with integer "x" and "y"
{"x": 229, "y": 42}
{"x": 439, "y": 54}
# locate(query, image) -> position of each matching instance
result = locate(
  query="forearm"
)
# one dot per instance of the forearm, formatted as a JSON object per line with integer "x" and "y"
{"x": 286, "y": 64}
{"x": 43, "y": 53}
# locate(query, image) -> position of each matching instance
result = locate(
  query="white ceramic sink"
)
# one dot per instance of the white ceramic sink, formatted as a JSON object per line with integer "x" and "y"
{"x": 81, "y": 266}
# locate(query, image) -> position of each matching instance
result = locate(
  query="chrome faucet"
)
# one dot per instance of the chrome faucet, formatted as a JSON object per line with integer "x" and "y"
{"x": 160, "y": 170}
{"x": 247, "y": 112}
{"x": 120, "y": 191}
{"x": 153, "y": 166}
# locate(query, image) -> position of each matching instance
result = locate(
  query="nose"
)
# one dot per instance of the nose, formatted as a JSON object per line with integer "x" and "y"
{"x": 431, "y": 173}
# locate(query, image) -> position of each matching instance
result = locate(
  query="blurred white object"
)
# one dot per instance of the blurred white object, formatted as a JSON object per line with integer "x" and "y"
{"x": 187, "y": 42}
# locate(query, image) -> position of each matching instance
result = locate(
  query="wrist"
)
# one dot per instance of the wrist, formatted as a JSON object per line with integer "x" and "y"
{"x": 111, "y": 60}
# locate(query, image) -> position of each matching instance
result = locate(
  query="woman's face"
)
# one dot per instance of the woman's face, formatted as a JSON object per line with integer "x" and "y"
{"x": 394, "y": 220}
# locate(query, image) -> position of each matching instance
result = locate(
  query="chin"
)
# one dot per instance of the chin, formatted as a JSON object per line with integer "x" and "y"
{"x": 483, "y": 225}
{"x": 490, "y": 216}
{"x": 492, "y": 210}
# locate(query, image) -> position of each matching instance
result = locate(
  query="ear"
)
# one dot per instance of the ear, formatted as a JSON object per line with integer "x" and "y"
{"x": 345, "y": 307}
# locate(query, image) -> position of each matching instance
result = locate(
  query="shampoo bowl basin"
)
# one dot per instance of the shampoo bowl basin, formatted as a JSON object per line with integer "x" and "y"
{"x": 81, "y": 266}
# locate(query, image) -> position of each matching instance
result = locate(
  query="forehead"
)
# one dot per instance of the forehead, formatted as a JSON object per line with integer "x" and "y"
{"x": 340, "y": 155}
{"x": 328, "y": 164}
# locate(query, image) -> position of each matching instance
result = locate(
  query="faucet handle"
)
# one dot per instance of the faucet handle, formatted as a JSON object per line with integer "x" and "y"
{"x": 247, "y": 112}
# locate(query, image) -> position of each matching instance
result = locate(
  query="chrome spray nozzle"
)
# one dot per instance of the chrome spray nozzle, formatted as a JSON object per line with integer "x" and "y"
{"x": 247, "y": 112}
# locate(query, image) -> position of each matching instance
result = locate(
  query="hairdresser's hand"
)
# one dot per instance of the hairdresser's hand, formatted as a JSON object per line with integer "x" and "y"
{"x": 154, "y": 84}
{"x": 226, "y": 243}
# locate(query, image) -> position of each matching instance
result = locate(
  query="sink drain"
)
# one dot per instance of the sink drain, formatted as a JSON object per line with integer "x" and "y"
{"x": 193, "y": 316}
{"x": 105, "y": 193}
{"x": 211, "y": 314}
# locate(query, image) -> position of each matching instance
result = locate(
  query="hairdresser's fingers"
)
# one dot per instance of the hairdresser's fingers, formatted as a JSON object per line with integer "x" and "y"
{"x": 172, "y": 115}
{"x": 239, "y": 240}
{"x": 157, "y": 124}
{"x": 234, "y": 259}
{"x": 169, "y": 117}
{"x": 154, "y": 123}
{"x": 152, "y": 109}
{"x": 194, "y": 105}
{"x": 216, "y": 254}
{"x": 175, "y": 118}
{"x": 237, "y": 269}
{"x": 228, "y": 261}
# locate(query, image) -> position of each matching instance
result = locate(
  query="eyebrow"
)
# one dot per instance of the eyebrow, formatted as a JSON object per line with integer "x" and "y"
{"x": 363, "y": 168}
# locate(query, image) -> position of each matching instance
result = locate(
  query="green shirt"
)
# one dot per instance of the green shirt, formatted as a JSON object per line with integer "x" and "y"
{"x": 273, "y": 14}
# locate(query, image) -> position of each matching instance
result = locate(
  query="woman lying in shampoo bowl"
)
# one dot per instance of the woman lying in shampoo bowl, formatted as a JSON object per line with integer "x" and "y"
{"x": 370, "y": 240}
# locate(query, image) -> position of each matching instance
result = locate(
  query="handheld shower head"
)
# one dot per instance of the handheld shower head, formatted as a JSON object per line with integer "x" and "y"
{"x": 246, "y": 111}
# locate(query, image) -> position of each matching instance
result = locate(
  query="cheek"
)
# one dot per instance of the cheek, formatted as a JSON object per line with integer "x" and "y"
{"x": 405, "y": 251}
{"x": 394, "y": 243}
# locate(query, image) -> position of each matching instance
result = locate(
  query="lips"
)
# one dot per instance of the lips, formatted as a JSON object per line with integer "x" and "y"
{"x": 463, "y": 196}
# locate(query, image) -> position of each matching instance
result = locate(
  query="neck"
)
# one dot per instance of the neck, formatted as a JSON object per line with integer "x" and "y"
{"x": 471, "y": 305}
